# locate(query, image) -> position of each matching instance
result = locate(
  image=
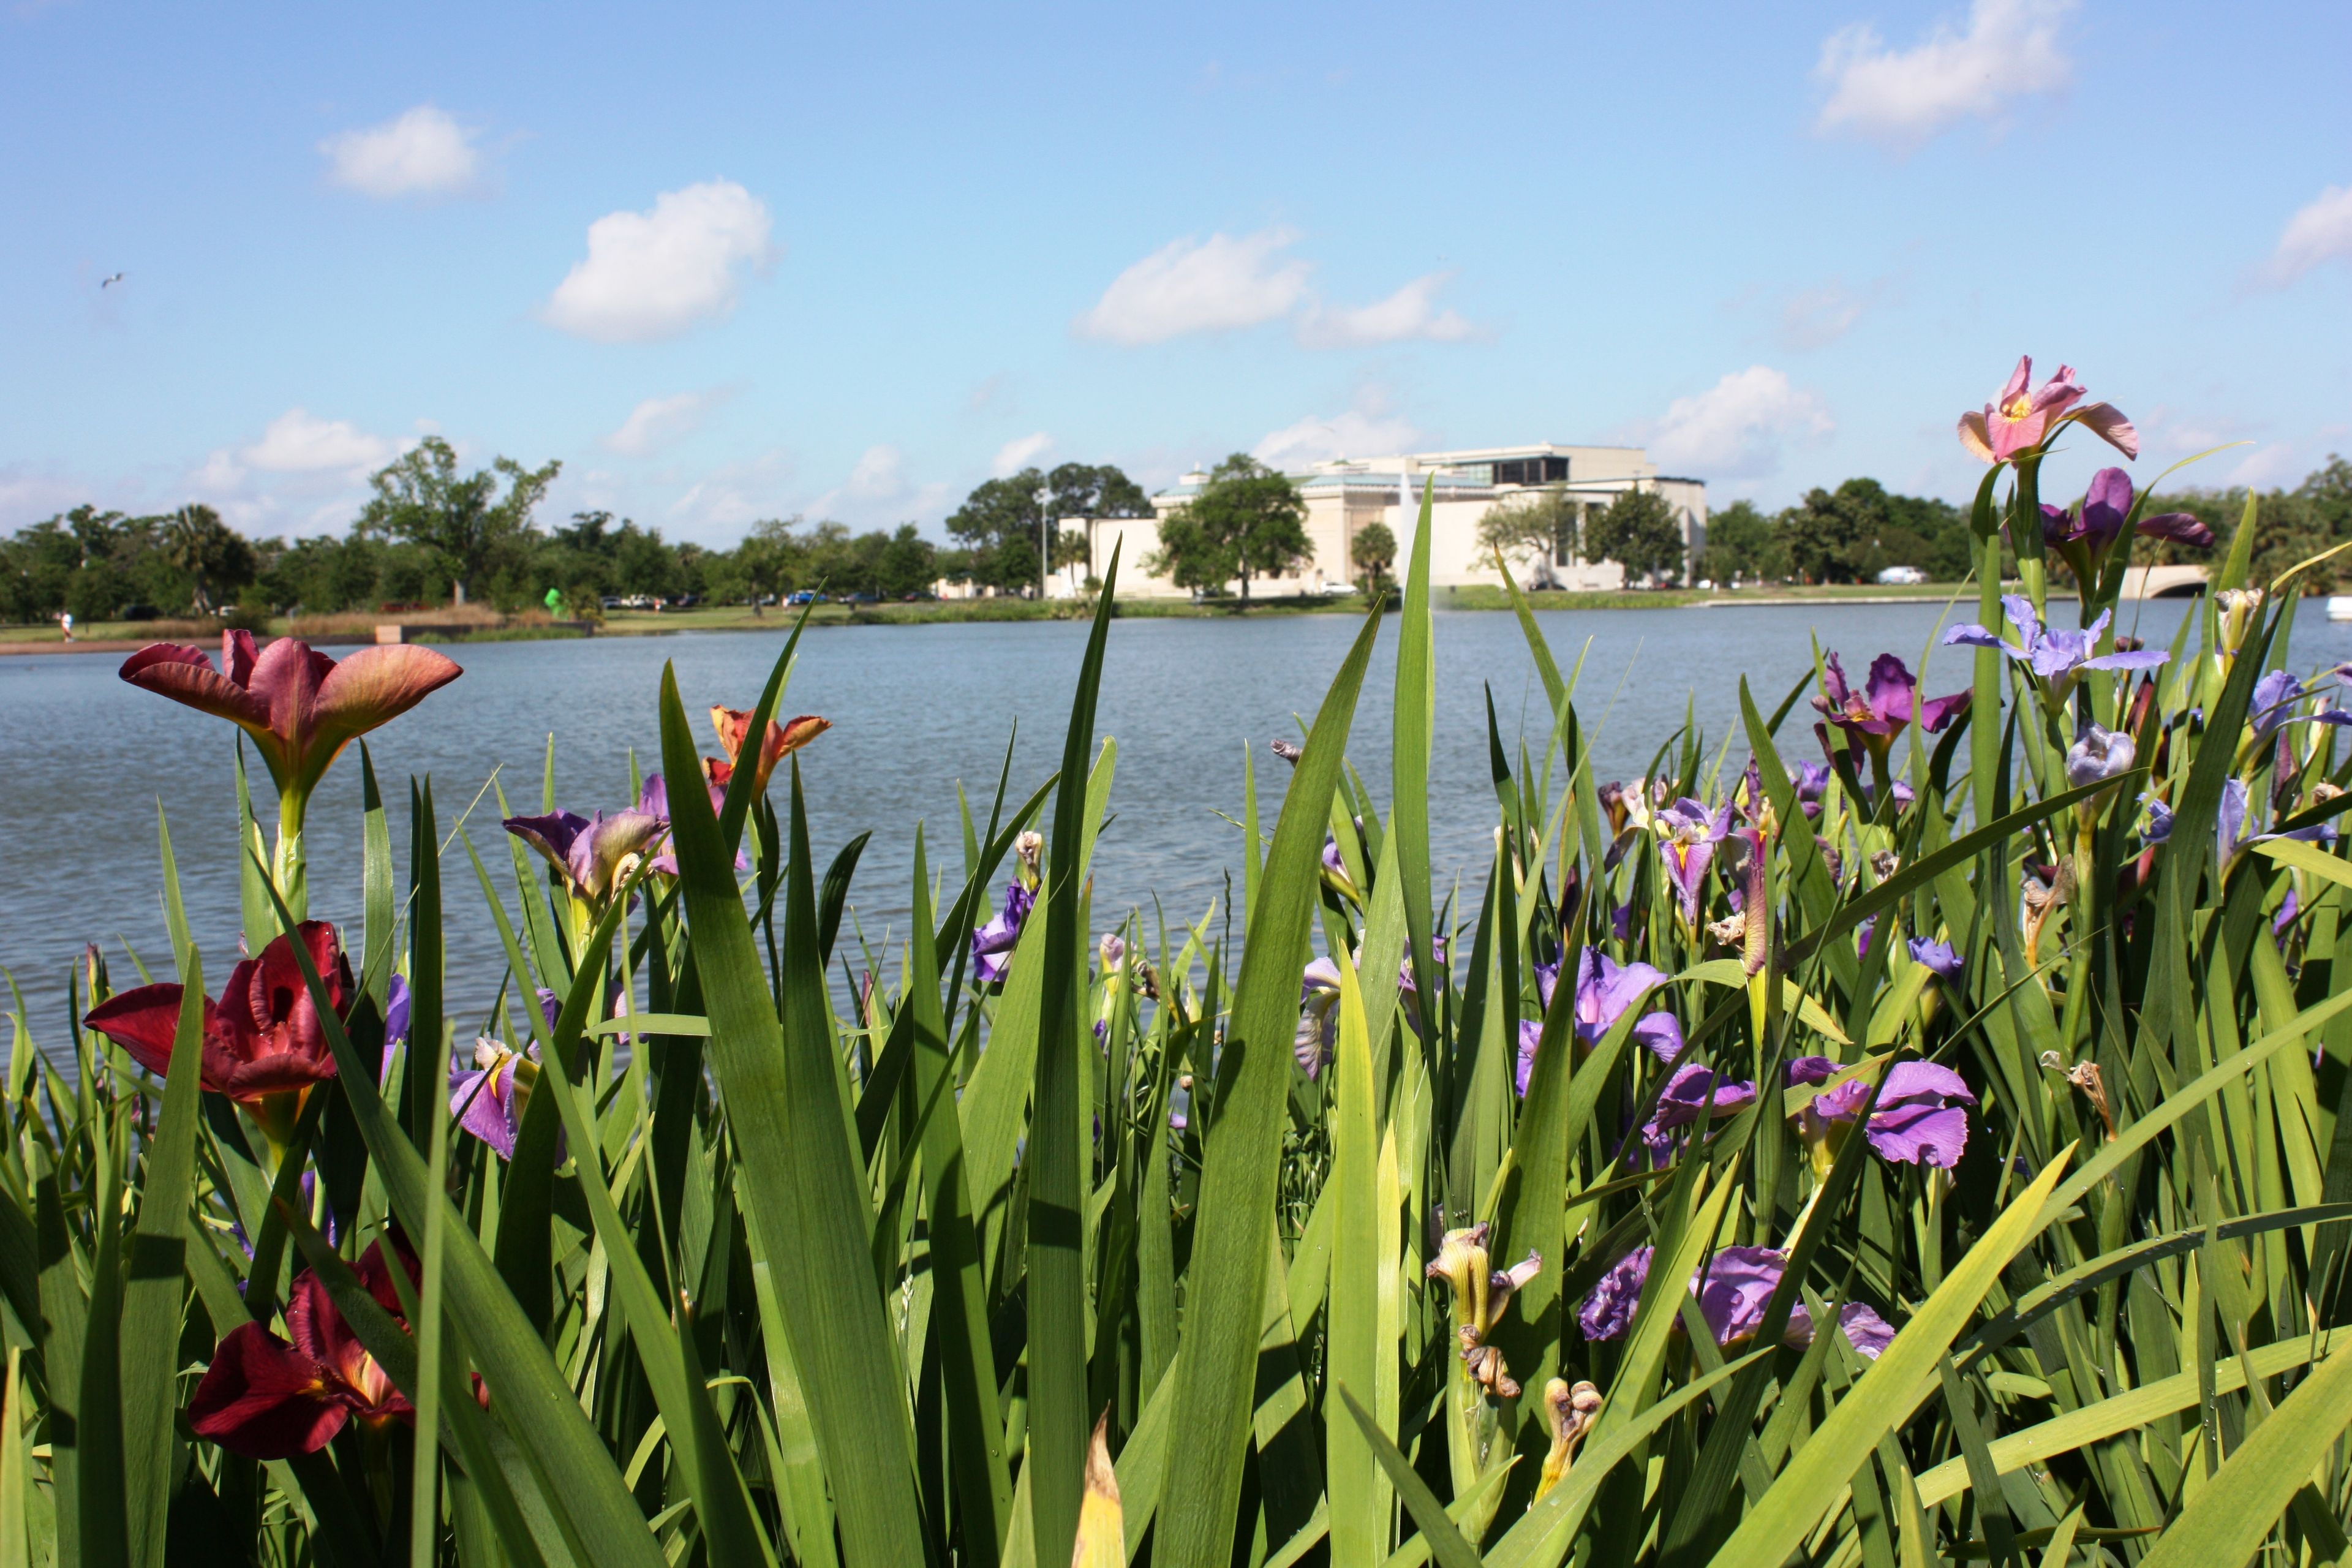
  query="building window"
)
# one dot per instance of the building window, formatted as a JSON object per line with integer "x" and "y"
{"x": 1531, "y": 471}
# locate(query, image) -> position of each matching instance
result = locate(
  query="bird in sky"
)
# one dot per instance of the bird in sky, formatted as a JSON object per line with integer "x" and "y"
{"x": 110, "y": 282}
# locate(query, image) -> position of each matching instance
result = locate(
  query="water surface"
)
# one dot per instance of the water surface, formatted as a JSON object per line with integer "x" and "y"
{"x": 916, "y": 710}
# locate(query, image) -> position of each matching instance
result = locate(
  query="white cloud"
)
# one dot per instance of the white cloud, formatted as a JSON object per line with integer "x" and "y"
{"x": 1737, "y": 429}
{"x": 2010, "y": 50}
{"x": 1020, "y": 452}
{"x": 658, "y": 422}
{"x": 878, "y": 491}
{"x": 1367, "y": 430}
{"x": 1209, "y": 284}
{"x": 299, "y": 442}
{"x": 2320, "y": 232}
{"x": 655, "y": 274}
{"x": 1411, "y": 313}
{"x": 2267, "y": 468}
{"x": 424, "y": 153}
{"x": 1816, "y": 318}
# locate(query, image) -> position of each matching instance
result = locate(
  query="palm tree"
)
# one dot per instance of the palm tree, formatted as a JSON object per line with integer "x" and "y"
{"x": 211, "y": 553}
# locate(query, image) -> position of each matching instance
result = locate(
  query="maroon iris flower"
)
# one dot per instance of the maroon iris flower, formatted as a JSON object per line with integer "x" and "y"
{"x": 301, "y": 707}
{"x": 262, "y": 1038}
{"x": 271, "y": 1398}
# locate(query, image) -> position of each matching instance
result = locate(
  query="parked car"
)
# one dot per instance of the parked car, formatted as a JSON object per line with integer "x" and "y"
{"x": 862, "y": 599}
{"x": 1902, "y": 576}
{"x": 138, "y": 613}
{"x": 612, "y": 601}
{"x": 805, "y": 596}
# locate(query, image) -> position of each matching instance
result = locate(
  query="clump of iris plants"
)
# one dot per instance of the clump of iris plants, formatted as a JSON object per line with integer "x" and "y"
{"x": 1909, "y": 1133}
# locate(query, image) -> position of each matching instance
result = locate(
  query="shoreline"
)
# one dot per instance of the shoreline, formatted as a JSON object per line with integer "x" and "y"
{"x": 1472, "y": 598}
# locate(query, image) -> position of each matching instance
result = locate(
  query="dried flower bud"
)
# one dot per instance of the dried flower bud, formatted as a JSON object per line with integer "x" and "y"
{"x": 2086, "y": 1078}
{"x": 1489, "y": 1370}
{"x": 1884, "y": 863}
{"x": 1031, "y": 848}
{"x": 1570, "y": 1412}
{"x": 1289, "y": 751}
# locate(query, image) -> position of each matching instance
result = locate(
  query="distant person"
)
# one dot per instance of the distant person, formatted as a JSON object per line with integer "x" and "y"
{"x": 555, "y": 602}
{"x": 65, "y": 621}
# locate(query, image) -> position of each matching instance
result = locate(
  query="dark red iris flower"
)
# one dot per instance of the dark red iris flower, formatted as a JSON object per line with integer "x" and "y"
{"x": 263, "y": 1036}
{"x": 271, "y": 1398}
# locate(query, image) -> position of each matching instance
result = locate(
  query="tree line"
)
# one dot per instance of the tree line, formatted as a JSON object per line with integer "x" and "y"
{"x": 431, "y": 532}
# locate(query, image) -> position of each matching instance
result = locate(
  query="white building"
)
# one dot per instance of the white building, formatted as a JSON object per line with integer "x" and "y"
{"x": 1344, "y": 495}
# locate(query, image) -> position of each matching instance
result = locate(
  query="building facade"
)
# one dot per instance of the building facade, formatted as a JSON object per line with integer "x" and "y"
{"x": 1343, "y": 496}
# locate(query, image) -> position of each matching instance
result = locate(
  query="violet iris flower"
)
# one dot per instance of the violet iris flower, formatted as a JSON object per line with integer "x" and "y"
{"x": 1687, "y": 835}
{"x": 653, "y": 801}
{"x": 1605, "y": 989}
{"x": 1694, "y": 1093}
{"x": 2055, "y": 656}
{"x": 595, "y": 854}
{"x": 1938, "y": 956}
{"x": 2272, "y": 708}
{"x": 992, "y": 944}
{"x": 1887, "y": 703}
{"x": 1921, "y": 1116}
{"x": 1319, "y": 1016}
{"x": 2230, "y": 825}
{"x": 2094, "y": 531}
{"x": 2023, "y": 419}
{"x": 489, "y": 1098}
{"x": 2099, "y": 754}
{"x": 1734, "y": 1288}
{"x": 2159, "y": 820}
{"x": 396, "y": 1009}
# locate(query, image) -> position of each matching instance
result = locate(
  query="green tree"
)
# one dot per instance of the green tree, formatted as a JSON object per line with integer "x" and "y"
{"x": 216, "y": 558}
{"x": 1830, "y": 534}
{"x": 1004, "y": 520}
{"x": 908, "y": 564}
{"x": 1642, "y": 533}
{"x": 1374, "y": 549}
{"x": 1530, "y": 529}
{"x": 1742, "y": 545}
{"x": 1071, "y": 550}
{"x": 1248, "y": 518}
{"x": 462, "y": 522}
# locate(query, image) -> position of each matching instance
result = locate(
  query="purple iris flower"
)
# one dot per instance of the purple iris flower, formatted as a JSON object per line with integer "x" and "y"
{"x": 1319, "y": 1016}
{"x": 2106, "y": 506}
{"x": 1936, "y": 955}
{"x": 489, "y": 1098}
{"x": 1887, "y": 703}
{"x": 992, "y": 944}
{"x": 2159, "y": 820}
{"x": 2098, "y": 754}
{"x": 396, "y": 1008}
{"x": 1862, "y": 936}
{"x": 1812, "y": 781}
{"x": 593, "y": 853}
{"x": 2271, "y": 709}
{"x": 1687, "y": 835}
{"x": 1734, "y": 1289}
{"x": 1604, "y": 990}
{"x": 2287, "y": 910}
{"x": 2055, "y": 656}
{"x": 1693, "y": 1094}
{"x": 653, "y": 801}
{"x": 2230, "y": 825}
{"x": 1921, "y": 1117}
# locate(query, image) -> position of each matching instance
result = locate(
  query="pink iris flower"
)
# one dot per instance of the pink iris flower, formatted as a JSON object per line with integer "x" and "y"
{"x": 2026, "y": 416}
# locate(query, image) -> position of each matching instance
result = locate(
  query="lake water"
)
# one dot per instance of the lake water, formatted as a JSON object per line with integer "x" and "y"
{"x": 85, "y": 759}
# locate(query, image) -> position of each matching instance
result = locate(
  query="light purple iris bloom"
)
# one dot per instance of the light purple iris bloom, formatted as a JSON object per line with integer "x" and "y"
{"x": 1604, "y": 990}
{"x": 592, "y": 852}
{"x": 653, "y": 801}
{"x": 1887, "y": 703}
{"x": 1687, "y": 835}
{"x": 1938, "y": 956}
{"x": 2098, "y": 754}
{"x": 2230, "y": 825}
{"x": 1812, "y": 781}
{"x": 992, "y": 944}
{"x": 1921, "y": 1117}
{"x": 2053, "y": 655}
{"x": 2271, "y": 709}
{"x": 2287, "y": 909}
{"x": 488, "y": 1098}
{"x": 2159, "y": 820}
{"x": 1319, "y": 1016}
{"x": 1734, "y": 1289}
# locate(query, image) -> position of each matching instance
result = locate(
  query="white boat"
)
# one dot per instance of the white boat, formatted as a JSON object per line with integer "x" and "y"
{"x": 2339, "y": 608}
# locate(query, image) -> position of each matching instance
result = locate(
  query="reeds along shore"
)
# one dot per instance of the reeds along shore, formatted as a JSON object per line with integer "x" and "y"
{"x": 1904, "y": 1130}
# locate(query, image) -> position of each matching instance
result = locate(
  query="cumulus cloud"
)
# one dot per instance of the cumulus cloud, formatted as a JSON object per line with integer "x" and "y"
{"x": 2268, "y": 467}
{"x": 657, "y": 273}
{"x": 1020, "y": 452}
{"x": 299, "y": 442}
{"x": 1409, "y": 313}
{"x": 424, "y": 153}
{"x": 1737, "y": 427}
{"x": 2320, "y": 232}
{"x": 1194, "y": 285}
{"x": 658, "y": 422}
{"x": 1367, "y": 430}
{"x": 2008, "y": 49}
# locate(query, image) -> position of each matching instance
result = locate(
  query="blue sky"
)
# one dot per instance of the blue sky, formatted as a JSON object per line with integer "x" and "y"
{"x": 729, "y": 263}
